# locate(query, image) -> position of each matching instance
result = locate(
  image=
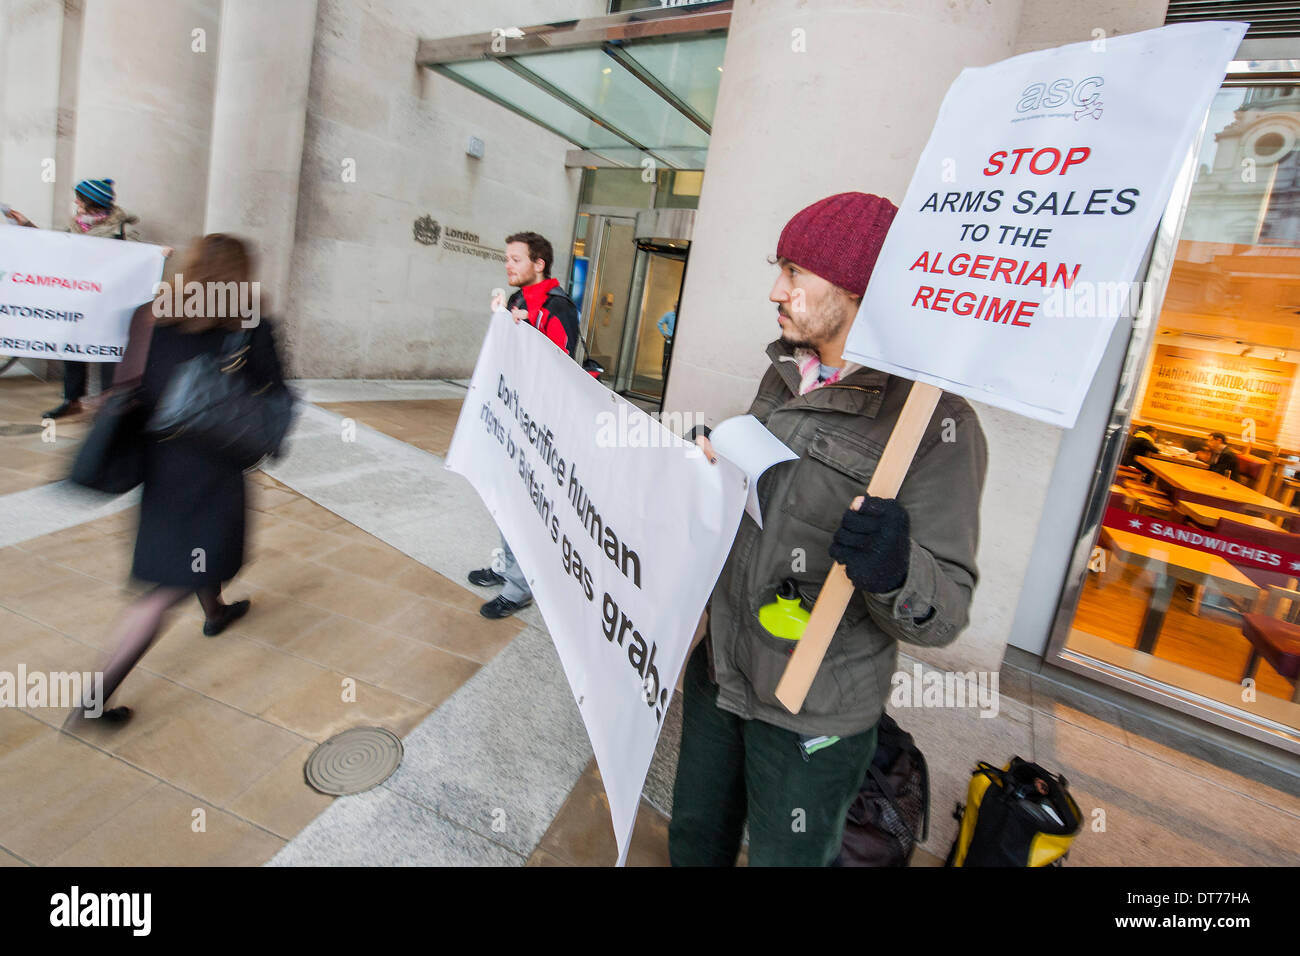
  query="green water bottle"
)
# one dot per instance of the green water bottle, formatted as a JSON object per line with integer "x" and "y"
{"x": 785, "y": 617}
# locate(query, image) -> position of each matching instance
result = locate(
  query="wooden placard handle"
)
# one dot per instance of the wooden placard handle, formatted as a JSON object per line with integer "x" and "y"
{"x": 835, "y": 593}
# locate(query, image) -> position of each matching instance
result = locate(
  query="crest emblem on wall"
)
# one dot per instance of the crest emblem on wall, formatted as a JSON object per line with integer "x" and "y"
{"x": 427, "y": 230}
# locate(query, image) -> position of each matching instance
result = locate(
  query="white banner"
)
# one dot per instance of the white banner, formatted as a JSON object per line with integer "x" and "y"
{"x": 71, "y": 297}
{"x": 1015, "y": 249}
{"x": 621, "y": 527}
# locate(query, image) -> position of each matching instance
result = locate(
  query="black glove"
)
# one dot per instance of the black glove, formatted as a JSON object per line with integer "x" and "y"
{"x": 874, "y": 545}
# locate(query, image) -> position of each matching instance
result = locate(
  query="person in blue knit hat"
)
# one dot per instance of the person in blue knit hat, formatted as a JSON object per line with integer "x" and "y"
{"x": 97, "y": 214}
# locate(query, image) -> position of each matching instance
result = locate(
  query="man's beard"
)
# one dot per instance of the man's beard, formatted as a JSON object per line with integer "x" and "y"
{"x": 827, "y": 326}
{"x": 796, "y": 340}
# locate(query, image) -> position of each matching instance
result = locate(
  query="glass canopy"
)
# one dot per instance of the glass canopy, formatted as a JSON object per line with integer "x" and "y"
{"x": 621, "y": 87}
{"x": 500, "y": 84}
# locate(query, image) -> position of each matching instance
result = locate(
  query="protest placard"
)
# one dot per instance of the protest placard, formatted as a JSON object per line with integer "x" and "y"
{"x": 1015, "y": 248}
{"x": 621, "y": 532}
{"x": 71, "y": 297}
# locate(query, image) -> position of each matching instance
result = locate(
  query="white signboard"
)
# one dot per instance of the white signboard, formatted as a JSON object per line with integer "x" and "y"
{"x": 620, "y": 526}
{"x": 1015, "y": 249}
{"x": 71, "y": 297}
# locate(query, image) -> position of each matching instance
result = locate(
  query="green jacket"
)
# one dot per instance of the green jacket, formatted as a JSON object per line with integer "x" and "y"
{"x": 839, "y": 431}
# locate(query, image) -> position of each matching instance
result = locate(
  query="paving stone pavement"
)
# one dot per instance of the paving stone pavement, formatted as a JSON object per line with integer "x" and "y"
{"x": 360, "y": 548}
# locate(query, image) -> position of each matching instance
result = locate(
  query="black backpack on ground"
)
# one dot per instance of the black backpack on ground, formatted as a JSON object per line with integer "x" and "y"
{"x": 891, "y": 813}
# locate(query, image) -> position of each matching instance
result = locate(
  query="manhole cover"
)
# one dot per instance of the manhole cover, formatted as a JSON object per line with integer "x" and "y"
{"x": 354, "y": 761}
{"x": 6, "y": 430}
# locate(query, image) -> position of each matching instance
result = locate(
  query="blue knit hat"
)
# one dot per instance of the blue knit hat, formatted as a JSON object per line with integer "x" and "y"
{"x": 99, "y": 191}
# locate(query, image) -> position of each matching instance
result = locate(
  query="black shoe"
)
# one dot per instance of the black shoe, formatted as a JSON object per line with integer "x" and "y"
{"x": 500, "y": 607}
{"x": 485, "y": 578}
{"x": 229, "y": 614}
{"x": 114, "y": 716}
{"x": 70, "y": 406}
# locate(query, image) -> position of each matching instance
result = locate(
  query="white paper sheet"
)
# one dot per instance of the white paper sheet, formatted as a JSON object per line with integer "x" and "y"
{"x": 753, "y": 449}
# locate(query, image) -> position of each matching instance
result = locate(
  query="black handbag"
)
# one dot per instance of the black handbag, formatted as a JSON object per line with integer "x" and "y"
{"x": 111, "y": 458}
{"x": 210, "y": 398}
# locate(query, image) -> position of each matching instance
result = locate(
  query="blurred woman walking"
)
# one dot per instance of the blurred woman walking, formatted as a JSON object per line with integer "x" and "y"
{"x": 192, "y": 512}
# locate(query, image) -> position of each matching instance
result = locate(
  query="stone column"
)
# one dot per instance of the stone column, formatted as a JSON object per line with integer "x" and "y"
{"x": 817, "y": 97}
{"x": 31, "y": 38}
{"x": 144, "y": 109}
{"x": 259, "y": 115}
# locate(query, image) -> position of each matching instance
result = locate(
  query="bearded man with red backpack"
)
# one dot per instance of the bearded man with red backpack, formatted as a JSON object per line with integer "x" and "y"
{"x": 542, "y": 302}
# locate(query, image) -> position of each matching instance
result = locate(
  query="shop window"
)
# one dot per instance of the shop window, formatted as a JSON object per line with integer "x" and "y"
{"x": 1194, "y": 576}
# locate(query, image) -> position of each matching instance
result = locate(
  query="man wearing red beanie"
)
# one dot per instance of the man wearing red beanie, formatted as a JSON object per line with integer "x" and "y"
{"x": 744, "y": 757}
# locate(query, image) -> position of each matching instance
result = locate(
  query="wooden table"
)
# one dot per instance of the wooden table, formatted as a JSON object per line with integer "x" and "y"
{"x": 1211, "y": 485}
{"x": 1191, "y": 461}
{"x": 1172, "y": 563}
{"x": 1208, "y": 516}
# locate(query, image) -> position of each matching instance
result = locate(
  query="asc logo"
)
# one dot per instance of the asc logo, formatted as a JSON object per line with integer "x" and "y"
{"x": 1083, "y": 97}
{"x": 427, "y": 231}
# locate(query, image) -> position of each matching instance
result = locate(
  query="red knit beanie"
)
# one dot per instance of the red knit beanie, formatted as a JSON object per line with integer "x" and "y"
{"x": 839, "y": 238}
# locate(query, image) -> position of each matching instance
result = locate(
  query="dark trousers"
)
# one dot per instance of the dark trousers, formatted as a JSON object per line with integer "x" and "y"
{"x": 731, "y": 769}
{"x": 74, "y": 379}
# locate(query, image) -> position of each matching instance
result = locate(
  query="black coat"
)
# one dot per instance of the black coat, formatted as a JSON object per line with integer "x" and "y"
{"x": 192, "y": 498}
{"x": 1224, "y": 463}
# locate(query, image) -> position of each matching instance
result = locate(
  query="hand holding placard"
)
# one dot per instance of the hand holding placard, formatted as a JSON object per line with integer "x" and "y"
{"x": 835, "y": 593}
